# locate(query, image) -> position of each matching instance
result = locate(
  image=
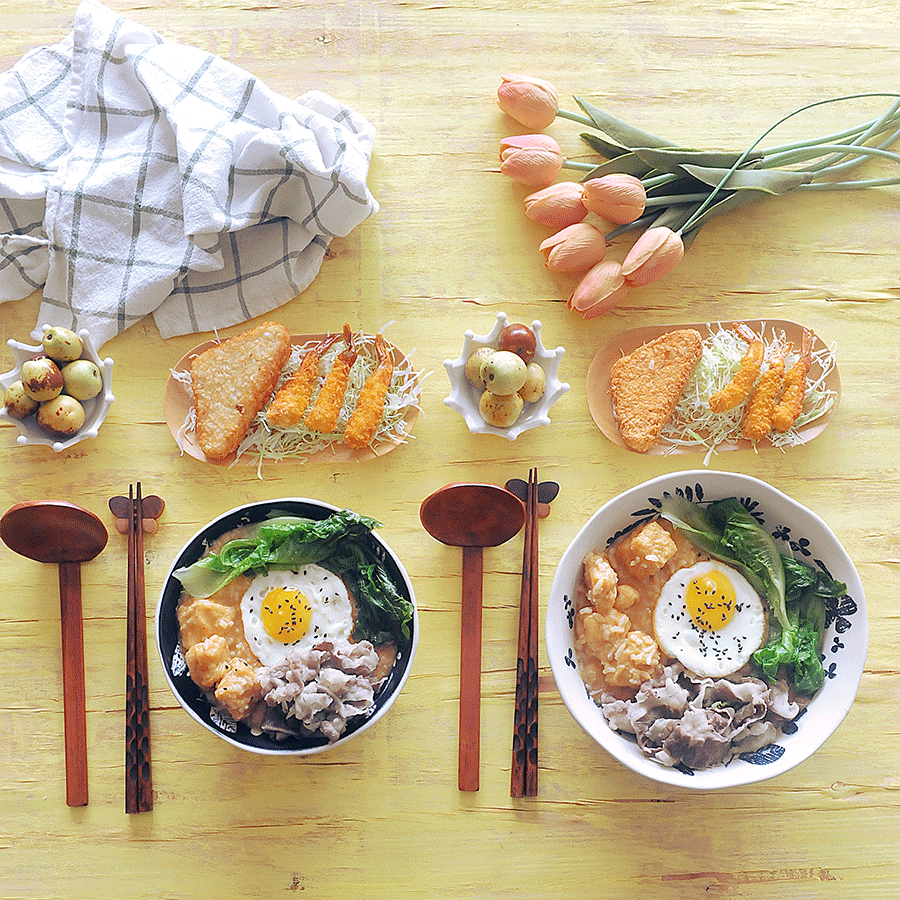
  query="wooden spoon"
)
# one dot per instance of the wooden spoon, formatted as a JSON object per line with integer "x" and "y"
{"x": 59, "y": 532}
{"x": 471, "y": 516}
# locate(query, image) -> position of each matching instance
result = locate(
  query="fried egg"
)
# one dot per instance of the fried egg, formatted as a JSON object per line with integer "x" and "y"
{"x": 709, "y": 618}
{"x": 294, "y": 608}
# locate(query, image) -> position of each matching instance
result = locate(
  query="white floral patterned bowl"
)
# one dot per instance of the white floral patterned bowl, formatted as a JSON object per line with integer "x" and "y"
{"x": 95, "y": 409}
{"x": 464, "y": 397}
{"x": 799, "y": 533}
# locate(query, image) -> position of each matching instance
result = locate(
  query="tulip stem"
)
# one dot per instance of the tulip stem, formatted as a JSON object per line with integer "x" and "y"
{"x": 576, "y": 117}
{"x": 742, "y": 158}
{"x": 675, "y": 199}
{"x": 580, "y": 166}
{"x": 847, "y": 185}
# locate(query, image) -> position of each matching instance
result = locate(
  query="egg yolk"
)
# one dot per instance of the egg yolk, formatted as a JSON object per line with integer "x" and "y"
{"x": 285, "y": 614}
{"x": 710, "y": 600}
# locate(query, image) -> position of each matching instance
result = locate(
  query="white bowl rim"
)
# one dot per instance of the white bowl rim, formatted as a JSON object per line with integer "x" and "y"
{"x": 264, "y": 751}
{"x": 596, "y": 726}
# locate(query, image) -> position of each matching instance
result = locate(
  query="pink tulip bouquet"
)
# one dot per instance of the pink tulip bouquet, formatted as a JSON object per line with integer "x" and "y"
{"x": 650, "y": 185}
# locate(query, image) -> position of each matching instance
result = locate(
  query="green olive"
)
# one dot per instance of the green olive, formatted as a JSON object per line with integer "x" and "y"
{"x": 17, "y": 402}
{"x": 82, "y": 379}
{"x": 62, "y": 344}
{"x": 62, "y": 416}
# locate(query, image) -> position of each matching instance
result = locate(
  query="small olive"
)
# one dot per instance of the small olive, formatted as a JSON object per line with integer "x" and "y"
{"x": 62, "y": 416}
{"x": 17, "y": 402}
{"x": 535, "y": 384}
{"x": 499, "y": 410}
{"x": 41, "y": 378}
{"x": 503, "y": 372}
{"x": 82, "y": 379}
{"x": 473, "y": 366}
{"x": 518, "y": 339}
{"x": 62, "y": 344}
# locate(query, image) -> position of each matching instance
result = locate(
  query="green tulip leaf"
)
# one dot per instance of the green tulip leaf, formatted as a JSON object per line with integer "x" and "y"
{"x": 675, "y": 216}
{"x": 600, "y": 145}
{"x": 620, "y": 131}
{"x": 673, "y": 160}
{"x": 729, "y": 202}
{"x": 768, "y": 181}
{"x": 683, "y": 185}
{"x": 626, "y": 164}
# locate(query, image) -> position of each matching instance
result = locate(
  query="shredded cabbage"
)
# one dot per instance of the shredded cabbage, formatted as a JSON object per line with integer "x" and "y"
{"x": 694, "y": 425}
{"x": 266, "y": 442}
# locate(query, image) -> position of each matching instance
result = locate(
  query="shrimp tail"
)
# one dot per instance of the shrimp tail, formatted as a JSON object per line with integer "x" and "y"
{"x": 323, "y": 415}
{"x": 363, "y": 423}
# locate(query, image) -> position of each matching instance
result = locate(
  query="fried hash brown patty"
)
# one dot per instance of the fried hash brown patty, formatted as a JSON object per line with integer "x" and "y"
{"x": 648, "y": 383}
{"x": 231, "y": 383}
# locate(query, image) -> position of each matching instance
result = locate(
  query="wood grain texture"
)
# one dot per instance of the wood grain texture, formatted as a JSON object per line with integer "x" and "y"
{"x": 448, "y": 250}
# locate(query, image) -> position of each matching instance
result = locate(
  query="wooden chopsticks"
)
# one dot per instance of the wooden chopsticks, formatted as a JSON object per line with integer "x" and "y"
{"x": 523, "y": 779}
{"x": 138, "y": 780}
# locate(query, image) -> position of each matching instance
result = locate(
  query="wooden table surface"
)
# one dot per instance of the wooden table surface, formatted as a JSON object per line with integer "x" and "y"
{"x": 382, "y": 817}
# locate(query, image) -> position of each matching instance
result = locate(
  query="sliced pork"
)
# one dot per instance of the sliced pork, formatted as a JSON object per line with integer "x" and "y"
{"x": 682, "y": 719}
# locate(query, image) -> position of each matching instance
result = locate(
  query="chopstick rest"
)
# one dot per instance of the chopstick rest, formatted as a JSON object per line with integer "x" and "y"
{"x": 136, "y": 512}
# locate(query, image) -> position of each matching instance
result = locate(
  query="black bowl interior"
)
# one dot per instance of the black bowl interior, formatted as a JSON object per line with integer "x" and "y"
{"x": 167, "y": 632}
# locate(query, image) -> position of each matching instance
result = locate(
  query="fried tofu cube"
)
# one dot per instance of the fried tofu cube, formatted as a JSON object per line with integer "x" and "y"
{"x": 600, "y": 580}
{"x": 238, "y": 691}
{"x": 200, "y": 619}
{"x": 626, "y": 597}
{"x": 208, "y": 661}
{"x": 646, "y": 550}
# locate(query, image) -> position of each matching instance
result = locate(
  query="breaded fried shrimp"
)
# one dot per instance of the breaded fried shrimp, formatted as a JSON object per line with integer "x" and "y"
{"x": 788, "y": 406}
{"x": 292, "y": 398}
{"x": 738, "y": 389}
{"x": 757, "y": 421}
{"x": 369, "y": 410}
{"x": 325, "y": 411}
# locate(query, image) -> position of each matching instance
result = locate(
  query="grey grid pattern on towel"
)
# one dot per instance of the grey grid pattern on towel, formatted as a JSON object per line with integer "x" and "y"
{"x": 140, "y": 177}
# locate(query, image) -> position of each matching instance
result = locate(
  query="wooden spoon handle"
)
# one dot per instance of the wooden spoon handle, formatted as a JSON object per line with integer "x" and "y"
{"x": 470, "y": 669}
{"x": 73, "y": 683}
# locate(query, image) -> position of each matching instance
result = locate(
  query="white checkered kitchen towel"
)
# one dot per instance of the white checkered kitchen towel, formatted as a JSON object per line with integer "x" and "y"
{"x": 140, "y": 177}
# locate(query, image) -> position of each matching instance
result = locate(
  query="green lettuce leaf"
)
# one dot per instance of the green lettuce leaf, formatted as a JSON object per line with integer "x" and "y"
{"x": 796, "y": 592}
{"x": 338, "y": 543}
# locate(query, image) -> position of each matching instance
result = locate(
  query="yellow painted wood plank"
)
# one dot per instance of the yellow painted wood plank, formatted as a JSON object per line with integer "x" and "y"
{"x": 449, "y": 249}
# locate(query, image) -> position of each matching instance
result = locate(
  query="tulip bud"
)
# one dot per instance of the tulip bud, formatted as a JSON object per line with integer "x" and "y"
{"x": 532, "y": 159}
{"x": 617, "y": 198}
{"x": 574, "y": 249}
{"x": 655, "y": 253}
{"x": 600, "y": 290}
{"x": 532, "y": 102}
{"x": 557, "y": 205}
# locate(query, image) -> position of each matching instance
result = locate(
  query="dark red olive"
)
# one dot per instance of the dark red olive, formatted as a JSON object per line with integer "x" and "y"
{"x": 519, "y": 339}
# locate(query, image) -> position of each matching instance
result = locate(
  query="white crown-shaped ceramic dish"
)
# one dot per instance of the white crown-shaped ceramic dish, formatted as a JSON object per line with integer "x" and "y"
{"x": 95, "y": 409}
{"x": 464, "y": 397}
